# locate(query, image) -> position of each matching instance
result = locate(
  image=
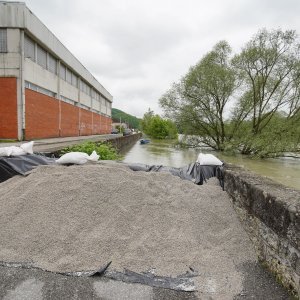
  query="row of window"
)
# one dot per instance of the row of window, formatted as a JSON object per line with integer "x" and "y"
{"x": 3, "y": 40}
{"x": 36, "y": 53}
{"x": 39, "y": 89}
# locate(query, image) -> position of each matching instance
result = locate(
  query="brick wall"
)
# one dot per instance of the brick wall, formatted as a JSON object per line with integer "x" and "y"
{"x": 86, "y": 122}
{"x": 45, "y": 116}
{"x": 69, "y": 120}
{"x": 8, "y": 108}
{"x": 41, "y": 115}
{"x": 105, "y": 125}
{"x": 96, "y": 123}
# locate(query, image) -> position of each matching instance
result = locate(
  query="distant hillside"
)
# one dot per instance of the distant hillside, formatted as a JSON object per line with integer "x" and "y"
{"x": 133, "y": 121}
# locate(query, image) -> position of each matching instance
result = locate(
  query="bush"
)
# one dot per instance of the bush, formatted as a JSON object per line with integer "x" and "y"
{"x": 105, "y": 150}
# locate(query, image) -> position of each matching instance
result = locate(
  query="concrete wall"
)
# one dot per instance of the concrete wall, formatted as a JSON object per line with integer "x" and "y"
{"x": 17, "y": 15}
{"x": 122, "y": 142}
{"x": 270, "y": 213}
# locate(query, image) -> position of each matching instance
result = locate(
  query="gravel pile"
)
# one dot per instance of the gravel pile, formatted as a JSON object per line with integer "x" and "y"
{"x": 77, "y": 218}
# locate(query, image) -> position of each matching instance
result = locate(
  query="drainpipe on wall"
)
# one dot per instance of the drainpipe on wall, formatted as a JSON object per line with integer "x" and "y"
{"x": 79, "y": 108}
{"x": 58, "y": 97}
{"x": 21, "y": 97}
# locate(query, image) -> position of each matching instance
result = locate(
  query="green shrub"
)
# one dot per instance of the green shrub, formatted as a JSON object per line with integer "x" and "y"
{"x": 105, "y": 150}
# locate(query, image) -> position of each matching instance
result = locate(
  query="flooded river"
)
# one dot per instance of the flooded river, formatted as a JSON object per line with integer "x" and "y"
{"x": 283, "y": 170}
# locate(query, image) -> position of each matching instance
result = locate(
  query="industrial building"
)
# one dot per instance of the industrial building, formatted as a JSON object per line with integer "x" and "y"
{"x": 44, "y": 90}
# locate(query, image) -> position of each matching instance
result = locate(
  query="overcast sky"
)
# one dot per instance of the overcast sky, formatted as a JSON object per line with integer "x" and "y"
{"x": 138, "y": 48}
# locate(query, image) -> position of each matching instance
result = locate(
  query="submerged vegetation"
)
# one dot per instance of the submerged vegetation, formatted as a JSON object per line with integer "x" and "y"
{"x": 248, "y": 102}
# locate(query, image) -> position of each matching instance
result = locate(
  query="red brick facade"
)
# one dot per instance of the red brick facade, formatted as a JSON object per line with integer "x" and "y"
{"x": 41, "y": 116}
{"x": 45, "y": 116}
{"x": 8, "y": 108}
{"x": 69, "y": 119}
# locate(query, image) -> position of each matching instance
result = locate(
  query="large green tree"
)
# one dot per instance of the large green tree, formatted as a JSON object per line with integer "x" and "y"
{"x": 269, "y": 69}
{"x": 199, "y": 100}
{"x": 261, "y": 84}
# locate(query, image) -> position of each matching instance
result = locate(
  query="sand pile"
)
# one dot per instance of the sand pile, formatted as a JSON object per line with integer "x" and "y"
{"x": 78, "y": 218}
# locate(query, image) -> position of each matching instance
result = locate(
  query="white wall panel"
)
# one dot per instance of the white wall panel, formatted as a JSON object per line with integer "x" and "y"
{"x": 39, "y": 76}
{"x": 69, "y": 91}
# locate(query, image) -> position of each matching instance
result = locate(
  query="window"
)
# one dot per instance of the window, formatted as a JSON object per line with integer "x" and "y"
{"x": 41, "y": 57}
{"x": 52, "y": 64}
{"x": 68, "y": 76}
{"x": 88, "y": 90}
{"x": 39, "y": 89}
{"x": 3, "y": 40}
{"x": 84, "y": 106}
{"x": 67, "y": 100}
{"x": 74, "y": 79}
{"x": 29, "y": 48}
{"x": 62, "y": 72}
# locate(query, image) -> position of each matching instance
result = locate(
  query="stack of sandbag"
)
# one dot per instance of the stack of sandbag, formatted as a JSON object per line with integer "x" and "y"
{"x": 26, "y": 148}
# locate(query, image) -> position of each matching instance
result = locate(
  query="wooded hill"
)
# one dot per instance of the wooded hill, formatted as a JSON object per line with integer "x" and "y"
{"x": 118, "y": 115}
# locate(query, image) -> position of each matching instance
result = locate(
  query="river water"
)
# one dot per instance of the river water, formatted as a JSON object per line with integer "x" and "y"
{"x": 162, "y": 152}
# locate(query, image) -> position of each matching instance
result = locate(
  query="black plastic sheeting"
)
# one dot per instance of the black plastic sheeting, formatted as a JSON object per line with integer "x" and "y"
{"x": 183, "y": 282}
{"x": 193, "y": 172}
{"x": 20, "y": 165}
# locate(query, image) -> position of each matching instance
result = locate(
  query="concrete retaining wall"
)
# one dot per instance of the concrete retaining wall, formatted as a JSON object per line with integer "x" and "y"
{"x": 124, "y": 141}
{"x": 270, "y": 213}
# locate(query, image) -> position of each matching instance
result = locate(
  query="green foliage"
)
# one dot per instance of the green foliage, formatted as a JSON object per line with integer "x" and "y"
{"x": 118, "y": 115}
{"x": 7, "y": 141}
{"x": 105, "y": 150}
{"x": 262, "y": 81}
{"x": 198, "y": 102}
{"x": 156, "y": 127}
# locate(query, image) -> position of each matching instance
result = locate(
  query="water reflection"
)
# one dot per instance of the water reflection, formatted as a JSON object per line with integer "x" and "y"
{"x": 157, "y": 152}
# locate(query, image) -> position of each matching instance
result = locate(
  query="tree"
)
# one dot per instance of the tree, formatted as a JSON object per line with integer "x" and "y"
{"x": 269, "y": 67}
{"x": 145, "y": 123}
{"x": 156, "y": 127}
{"x": 198, "y": 102}
{"x": 263, "y": 82}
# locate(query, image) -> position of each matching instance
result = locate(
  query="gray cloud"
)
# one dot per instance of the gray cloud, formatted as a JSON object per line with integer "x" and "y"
{"x": 137, "y": 48}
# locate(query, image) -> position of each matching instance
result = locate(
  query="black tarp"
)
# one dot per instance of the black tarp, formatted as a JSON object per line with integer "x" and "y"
{"x": 20, "y": 165}
{"x": 193, "y": 172}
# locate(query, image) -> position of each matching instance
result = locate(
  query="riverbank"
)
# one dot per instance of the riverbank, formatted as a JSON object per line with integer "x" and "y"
{"x": 285, "y": 171}
{"x": 52, "y": 145}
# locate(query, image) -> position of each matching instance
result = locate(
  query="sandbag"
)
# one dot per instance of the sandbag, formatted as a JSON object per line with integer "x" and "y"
{"x": 26, "y": 148}
{"x": 78, "y": 158}
{"x": 208, "y": 160}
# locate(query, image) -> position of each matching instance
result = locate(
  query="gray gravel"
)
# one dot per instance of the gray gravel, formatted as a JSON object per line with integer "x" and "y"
{"x": 77, "y": 218}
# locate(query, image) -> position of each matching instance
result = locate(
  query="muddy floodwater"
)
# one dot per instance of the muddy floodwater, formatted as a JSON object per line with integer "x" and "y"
{"x": 282, "y": 170}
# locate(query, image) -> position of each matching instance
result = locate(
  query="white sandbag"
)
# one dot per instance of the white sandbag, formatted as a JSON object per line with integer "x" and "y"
{"x": 15, "y": 151}
{"x": 77, "y": 158}
{"x": 208, "y": 160}
{"x": 5, "y": 151}
{"x": 94, "y": 156}
{"x": 28, "y": 147}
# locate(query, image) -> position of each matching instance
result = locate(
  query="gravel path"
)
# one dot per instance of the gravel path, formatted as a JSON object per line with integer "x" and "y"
{"x": 77, "y": 218}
